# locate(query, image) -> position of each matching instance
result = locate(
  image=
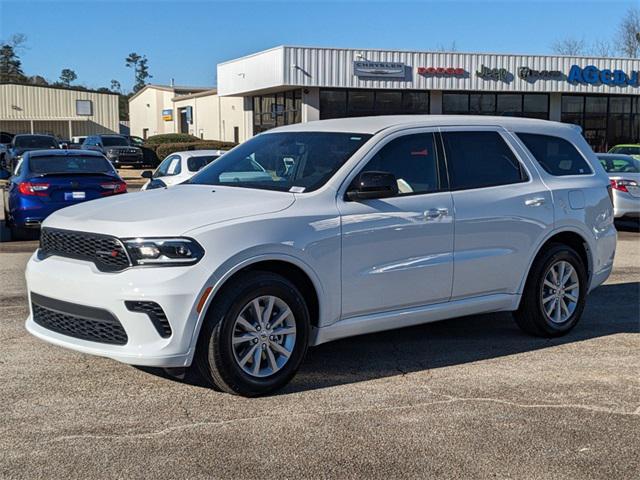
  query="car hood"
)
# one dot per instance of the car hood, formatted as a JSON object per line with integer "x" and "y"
{"x": 168, "y": 212}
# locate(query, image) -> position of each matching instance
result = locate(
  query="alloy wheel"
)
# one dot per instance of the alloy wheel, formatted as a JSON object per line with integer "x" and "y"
{"x": 560, "y": 292}
{"x": 264, "y": 336}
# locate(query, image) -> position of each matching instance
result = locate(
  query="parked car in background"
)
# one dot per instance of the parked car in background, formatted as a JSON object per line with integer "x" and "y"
{"x": 624, "y": 174}
{"x": 5, "y": 142}
{"x": 22, "y": 143}
{"x": 47, "y": 180}
{"x": 357, "y": 227}
{"x": 149, "y": 157}
{"x": 179, "y": 167}
{"x": 116, "y": 148}
{"x": 630, "y": 149}
{"x": 76, "y": 142}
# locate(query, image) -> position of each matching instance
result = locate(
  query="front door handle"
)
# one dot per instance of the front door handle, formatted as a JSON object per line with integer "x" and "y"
{"x": 534, "y": 202}
{"x": 435, "y": 213}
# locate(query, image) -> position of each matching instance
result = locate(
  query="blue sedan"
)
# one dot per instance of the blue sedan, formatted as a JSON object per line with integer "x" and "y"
{"x": 47, "y": 180}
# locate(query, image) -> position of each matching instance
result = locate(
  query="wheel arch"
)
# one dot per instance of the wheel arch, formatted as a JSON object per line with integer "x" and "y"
{"x": 295, "y": 270}
{"x": 570, "y": 237}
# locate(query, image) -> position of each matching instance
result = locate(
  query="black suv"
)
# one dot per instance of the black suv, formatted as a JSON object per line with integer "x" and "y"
{"x": 25, "y": 142}
{"x": 116, "y": 148}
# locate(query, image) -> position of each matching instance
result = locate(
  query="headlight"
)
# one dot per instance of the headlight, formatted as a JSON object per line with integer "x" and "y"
{"x": 163, "y": 251}
{"x": 111, "y": 152}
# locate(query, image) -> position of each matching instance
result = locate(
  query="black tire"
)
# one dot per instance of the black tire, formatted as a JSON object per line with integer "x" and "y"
{"x": 530, "y": 315}
{"x": 215, "y": 357}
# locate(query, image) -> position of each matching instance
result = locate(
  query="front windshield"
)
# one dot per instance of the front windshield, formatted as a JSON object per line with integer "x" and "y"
{"x": 621, "y": 164}
{"x": 287, "y": 161}
{"x": 35, "y": 142}
{"x": 115, "y": 142}
{"x": 630, "y": 150}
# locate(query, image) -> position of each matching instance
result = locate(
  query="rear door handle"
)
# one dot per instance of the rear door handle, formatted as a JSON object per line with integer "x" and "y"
{"x": 534, "y": 202}
{"x": 435, "y": 213}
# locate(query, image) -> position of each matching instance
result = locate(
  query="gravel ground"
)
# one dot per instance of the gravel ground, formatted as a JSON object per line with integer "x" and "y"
{"x": 466, "y": 398}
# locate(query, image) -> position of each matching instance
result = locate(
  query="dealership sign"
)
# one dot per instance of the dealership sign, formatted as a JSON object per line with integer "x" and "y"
{"x": 441, "y": 71}
{"x": 487, "y": 73}
{"x": 167, "y": 115}
{"x": 379, "y": 69}
{"x": 592, "y": 75}
{"x": 532, "y": 75}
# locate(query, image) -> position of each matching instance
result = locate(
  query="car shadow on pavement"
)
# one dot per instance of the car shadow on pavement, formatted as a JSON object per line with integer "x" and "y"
{"x": 611, "y": 309}
{"x": 628, "y": 225}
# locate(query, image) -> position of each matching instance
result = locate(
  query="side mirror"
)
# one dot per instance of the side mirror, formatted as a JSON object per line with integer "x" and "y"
{"x": 368, "y": 185}
{"x": 147, "y": 174}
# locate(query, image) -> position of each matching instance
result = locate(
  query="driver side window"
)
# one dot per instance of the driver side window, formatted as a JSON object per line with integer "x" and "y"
{"x": 413, "y": 160}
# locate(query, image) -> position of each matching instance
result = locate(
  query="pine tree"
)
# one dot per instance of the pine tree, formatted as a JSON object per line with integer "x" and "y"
{"x": 140, "y": 68}
{"x": 10, "y": 65}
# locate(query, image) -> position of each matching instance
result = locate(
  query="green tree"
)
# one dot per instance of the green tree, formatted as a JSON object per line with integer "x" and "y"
{"x": 10, "y": 64}
{"x": 67, "y": 76}
{"x": 140, "y": 66}
{"x": 115, "y": 86}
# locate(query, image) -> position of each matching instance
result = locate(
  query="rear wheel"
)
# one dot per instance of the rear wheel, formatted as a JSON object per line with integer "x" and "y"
{"x": 554, "y": 295}
{"x": 255, "y": 335}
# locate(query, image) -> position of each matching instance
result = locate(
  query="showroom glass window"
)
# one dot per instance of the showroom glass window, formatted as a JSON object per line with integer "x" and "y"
{"x": 414, "y": 162}
{"x": 530, "y": 105}
{"x": 480, "y": 159}
{"x": 606, "y": 120}
{"x": 341, "y": 103}
{"x": 276, "y": 110}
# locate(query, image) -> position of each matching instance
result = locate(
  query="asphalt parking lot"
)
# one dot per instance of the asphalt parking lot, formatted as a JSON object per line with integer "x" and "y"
{"x": 466, "y": 398}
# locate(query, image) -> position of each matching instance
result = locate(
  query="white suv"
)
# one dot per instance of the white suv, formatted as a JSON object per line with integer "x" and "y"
{"x": 362, "y": 225}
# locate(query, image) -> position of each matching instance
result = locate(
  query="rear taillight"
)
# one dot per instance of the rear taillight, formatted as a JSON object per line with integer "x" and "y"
{"x": 33, "y": 189}
{"x": 111, "y": 188}
{"x": 621, "y": 185}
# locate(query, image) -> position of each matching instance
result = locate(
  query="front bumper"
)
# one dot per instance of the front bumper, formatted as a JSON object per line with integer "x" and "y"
{"x": 176, "y": 289}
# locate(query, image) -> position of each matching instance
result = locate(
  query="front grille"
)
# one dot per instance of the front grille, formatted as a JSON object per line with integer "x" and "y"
{"x": 129, "y": 158}
{"x": 77, "y": 321}
{"x": 107, "y": 253}
{"x": 154, "y": 312}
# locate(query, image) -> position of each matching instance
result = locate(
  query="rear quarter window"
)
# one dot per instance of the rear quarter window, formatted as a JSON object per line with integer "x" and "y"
{"x": 555, "y": 155}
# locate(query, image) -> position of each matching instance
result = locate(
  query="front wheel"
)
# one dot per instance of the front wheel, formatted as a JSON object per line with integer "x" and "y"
{"x": 555, "y": 293}
{"x": 254, "y": 336}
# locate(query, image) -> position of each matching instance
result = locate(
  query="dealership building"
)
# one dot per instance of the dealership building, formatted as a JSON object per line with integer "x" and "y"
{"x": 64, "y": 112}
{"x": 199, "y": 111}
{"x": 286, "y": 85}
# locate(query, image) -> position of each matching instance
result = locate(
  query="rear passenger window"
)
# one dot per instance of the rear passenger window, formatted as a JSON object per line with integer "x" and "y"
{"x": 556, "y": 155}
{"x": 413, "y": 161}
{"x": 480, "y": 159}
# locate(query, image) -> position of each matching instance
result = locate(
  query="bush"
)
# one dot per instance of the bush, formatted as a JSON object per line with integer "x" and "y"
{"x": 171, "y": 138}
{"x": 168, "y": 148}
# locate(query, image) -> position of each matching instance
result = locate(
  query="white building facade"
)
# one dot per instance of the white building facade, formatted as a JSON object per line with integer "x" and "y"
{"x": 160, "y": 109}
{"x": 288, "y": 84}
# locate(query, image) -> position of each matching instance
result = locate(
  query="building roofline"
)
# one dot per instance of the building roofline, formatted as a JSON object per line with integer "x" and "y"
{"x": 58, "y": 87}
{"x": 168, "y": 88}
{"x": 205, "y": 93}
{"x": 428, "y": 51}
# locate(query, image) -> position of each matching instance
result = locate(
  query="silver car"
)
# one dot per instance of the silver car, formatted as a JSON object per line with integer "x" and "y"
{"x": 624, "y": 174}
